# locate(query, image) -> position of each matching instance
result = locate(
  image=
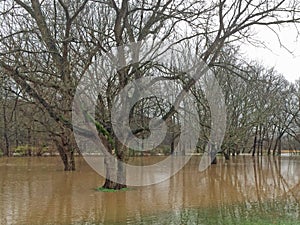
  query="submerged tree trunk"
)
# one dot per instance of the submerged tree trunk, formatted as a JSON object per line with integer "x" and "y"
{"x": 122, "y": 156}
{"x": 114, "y": 168}
{"x": 114, "y": 171}
{"x": 67, "y": 156}
{"x": 66, "y": 150}
{"x": 121, "y": 176}
{"x": 70, "y": 166}
{"x": 214, "y": 161}
{"x": 278, "y": 144}
{"x": 213, "y": 156}
{"x": 110, "y": 167}
{"x": 226, "y": 155}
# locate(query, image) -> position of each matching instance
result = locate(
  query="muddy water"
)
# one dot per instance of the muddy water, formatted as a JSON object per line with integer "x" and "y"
{"x": 37, "y": 191}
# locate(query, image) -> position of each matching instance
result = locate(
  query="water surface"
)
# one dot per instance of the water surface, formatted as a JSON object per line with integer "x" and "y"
{"x": 242, "y": 190}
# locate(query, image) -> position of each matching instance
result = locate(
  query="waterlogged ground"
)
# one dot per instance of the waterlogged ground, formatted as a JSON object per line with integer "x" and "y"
{"x": 244, "y": 190}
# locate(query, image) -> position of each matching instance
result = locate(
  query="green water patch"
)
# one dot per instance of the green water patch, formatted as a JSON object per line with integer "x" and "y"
{"x": 281, "y": 213}
{"x": 101, "y": 189}
{"x": 268, "y": 213}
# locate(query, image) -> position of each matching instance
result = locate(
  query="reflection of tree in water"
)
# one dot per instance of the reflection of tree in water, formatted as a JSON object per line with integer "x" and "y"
{"x": 59, "y": 203}
{"x": 256, "y": 180}
{"x": 243, "y": 190}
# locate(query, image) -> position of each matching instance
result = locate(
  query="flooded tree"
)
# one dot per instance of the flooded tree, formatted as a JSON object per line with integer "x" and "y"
{"x": 44, "y": 62}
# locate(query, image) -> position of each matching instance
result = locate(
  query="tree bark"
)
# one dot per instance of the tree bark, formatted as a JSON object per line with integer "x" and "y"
{"x": 271, "y": 141}
{"x": 122, "y": 155}
{"x": 5, "y": 132}
{"x": 255, "y": 141}
{"x": 226, "y": 155}
{"x": 110, "y": 173}
{"x": 67, "y": 156}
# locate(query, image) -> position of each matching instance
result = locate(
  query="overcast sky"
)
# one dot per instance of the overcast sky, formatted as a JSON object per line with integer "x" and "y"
{"x": 285, "y": 62}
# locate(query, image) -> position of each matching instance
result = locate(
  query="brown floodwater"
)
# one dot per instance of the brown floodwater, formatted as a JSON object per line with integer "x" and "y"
{"x": 37, "y": 191}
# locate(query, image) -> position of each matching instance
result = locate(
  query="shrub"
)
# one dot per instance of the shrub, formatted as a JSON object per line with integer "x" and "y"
{"x": 21, "y": 150}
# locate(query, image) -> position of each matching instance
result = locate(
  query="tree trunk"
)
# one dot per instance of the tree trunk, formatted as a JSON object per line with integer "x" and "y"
{"x": 66, "y": 153}
{"x": 254, "y": 142}
{"x": 260, "y": 141}
{"x": 16, "y": 128}
{"x": 115, "y": 170}
{"x": 271, "y": 141}
{"x": 5, "y": 132}
{"x": 279, "y": 147}
{"x": 29, "y": 150}
{"x": 213, "y": 155}
{"x": 226, "y": 155}
{"x": 172, "y": 146}
{"x": 110, "y": 173}
{"x": 67, "y": 156}
{"x": 70, "y": 166}
{"x": 110, "y": 165}
{"x": 122, "y": 155}
{"x": 278, "y": 143}
{"x": 214, "y": 161}
{"x": 121, "y": 176}
{"x": 275, "y": 146}
{"x": 108, "y": 184}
